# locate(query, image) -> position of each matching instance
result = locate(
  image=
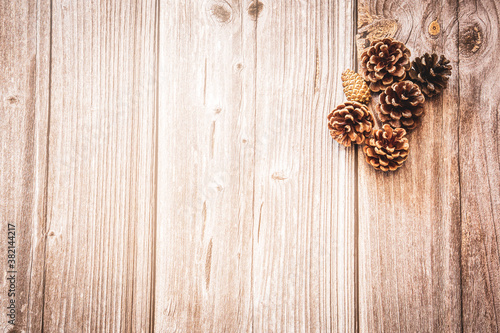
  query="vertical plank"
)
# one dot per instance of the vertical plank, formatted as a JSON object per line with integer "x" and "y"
{"x": 205, "y": 167}
{"x": 255, "y": 202}
{"x": 304, "y": 234}
{"x": 24, "y": 64}
{"x": 409, "y": 220}
{"x": 101, "y": 166}
{"x": 479, "y": 164}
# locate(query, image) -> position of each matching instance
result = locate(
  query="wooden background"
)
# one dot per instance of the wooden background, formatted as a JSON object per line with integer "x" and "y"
{"x": 168, "y": 168}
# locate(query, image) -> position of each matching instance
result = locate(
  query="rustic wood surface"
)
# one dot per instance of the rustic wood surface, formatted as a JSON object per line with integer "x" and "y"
{"x": 24, "y": 100}
{"x": 242, "y": 159}
{"x": 78, "y": 148}
{"x": 168, "y": 168}
{"x": 479, "y": 151}
{"x": 100, "y": 188}
{"x": 409, "y": 229}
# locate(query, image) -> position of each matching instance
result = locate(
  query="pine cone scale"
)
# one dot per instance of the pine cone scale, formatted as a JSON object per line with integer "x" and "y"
{"x": 395, "y": 115}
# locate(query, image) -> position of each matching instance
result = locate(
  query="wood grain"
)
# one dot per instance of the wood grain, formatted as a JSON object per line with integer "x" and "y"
{"x": 409, "y": 220}
{"x": 24, "y": 64}
{"x": 206, "y": 141}
{"x": 304, "y": 238}
{"x": 100, "y": 204}
{"x": 255, "y": 203}
{"x": 168, "y": 168}
{"x": 479, "y": 103}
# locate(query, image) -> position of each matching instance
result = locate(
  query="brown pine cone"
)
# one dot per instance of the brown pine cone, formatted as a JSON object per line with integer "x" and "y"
{"x": 350, "y": 122}
{"x": 401, "y": 105}
{"x": 430, "y": 73}
{"x": 355, "y": 88}
{"x": 387, "y": 149}
{"x": 386, "y": 61}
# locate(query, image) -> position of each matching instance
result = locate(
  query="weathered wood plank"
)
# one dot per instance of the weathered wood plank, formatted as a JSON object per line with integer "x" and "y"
{"x": 101, "y": 167}
{"x": 304, "y": 234}
{"x": 24, "y": 64}
{"x": 206, "y": 143}
{"x": 409, "y": 220}
{"x": 480, "y": 164}
{"x": 255, "y": 202}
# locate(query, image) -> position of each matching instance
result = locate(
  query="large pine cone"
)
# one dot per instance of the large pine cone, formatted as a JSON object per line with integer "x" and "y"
{"x": 387, "y": 149}
{"x": 430, "y": 73}
{"x": 355, "y": 88}
{"x": 401, "y": 105}
{"x": 386, "y": 61}
{"x": 350, "y": 122}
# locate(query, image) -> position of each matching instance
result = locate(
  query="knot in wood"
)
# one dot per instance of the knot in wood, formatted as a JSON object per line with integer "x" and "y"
{"x": 471, "y": 40}
{"x": 434, "y": 28}
{"x": 221, "y": 11}
{"x": 279, "y": 176}
{"x": 255, "y": 9}
{"x": 13, "y": 99}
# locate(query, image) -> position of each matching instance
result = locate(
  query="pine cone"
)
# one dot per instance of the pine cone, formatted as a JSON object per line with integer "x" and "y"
{"x": 386, "y": 61}
{"x": 387, "y": 149}
{"x": 350, "y": 122}
{"x": 430, "y": 73}
{"x": 401, "y": 105}
{"x": 355, "y": 88}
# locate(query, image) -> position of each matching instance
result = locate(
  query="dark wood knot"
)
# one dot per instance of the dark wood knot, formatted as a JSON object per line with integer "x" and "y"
{"x": 255, "y": 9}
{"x": 221, "y": 11}
{"x": 13, "y": 99}
{"x": 471, "y": 40}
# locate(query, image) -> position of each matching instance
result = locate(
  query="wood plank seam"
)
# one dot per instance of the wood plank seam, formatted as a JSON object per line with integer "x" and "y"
{"x": 356, "y": 178}
{"x": 457, "y": 12}
{"x": 46, "y": 195}
{"x": 255, "y": 4}
{"x": 152, "y": 307}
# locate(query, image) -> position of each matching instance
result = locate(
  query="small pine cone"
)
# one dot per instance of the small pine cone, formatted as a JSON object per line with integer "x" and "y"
{"x": 355, "y": 88}
{"x": 350, "y": 122}
{"x": 386, "y": 61}
{"x": 387, "y": 149}
{"x": 430, "y": 73}
{"x": 401, "y": 105}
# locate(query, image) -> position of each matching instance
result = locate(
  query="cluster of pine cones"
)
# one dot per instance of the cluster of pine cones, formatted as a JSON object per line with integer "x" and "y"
{"x": 403, "y": 85}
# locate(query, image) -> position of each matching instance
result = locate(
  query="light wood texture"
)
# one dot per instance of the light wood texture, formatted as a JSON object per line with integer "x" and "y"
{"x": 409, "y": 220}
{"x": 304, "y": 240}
{"x": 255, "y": 227}
{"x": 479, "y": 103}
{"x": 24, "y": 56}
{"x": 102, "y": 143}
{"x": 205, "y": 167}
